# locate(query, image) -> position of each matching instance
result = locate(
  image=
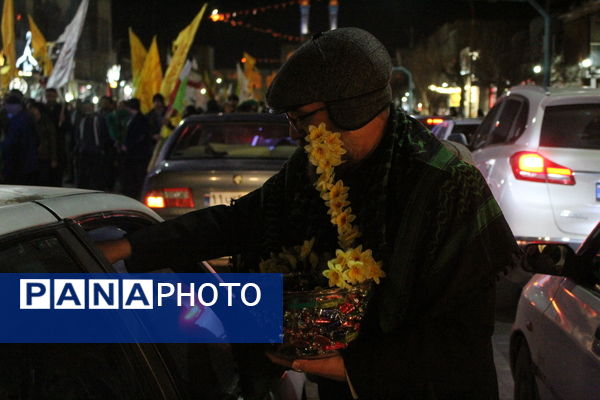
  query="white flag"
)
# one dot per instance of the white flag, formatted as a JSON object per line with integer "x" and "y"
{"x": 242, "y": 84}
{"x": 66, "y": 60}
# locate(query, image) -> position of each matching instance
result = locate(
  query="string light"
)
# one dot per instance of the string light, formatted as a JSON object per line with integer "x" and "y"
{"x": 254, "y": 11}
{"x": 278, "y": 35}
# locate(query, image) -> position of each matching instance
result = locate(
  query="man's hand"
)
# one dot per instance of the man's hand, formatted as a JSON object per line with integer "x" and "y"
{"x": 115, "y": 250}
{"x": 331, "y": 367}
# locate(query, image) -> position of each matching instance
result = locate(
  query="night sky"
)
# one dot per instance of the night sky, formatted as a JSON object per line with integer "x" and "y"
{"x": 394, "y": 22}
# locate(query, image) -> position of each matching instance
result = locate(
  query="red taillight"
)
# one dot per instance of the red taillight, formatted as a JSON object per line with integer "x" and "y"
{"x": 534, "y": 167}
{"x": 434, "y": 121}
{"x": 170, "y": 197}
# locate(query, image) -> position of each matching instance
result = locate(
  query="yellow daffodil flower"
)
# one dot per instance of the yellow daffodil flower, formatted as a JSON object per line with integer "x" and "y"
{"x": 356, "y": 272}
{"x": 335, "y": 274}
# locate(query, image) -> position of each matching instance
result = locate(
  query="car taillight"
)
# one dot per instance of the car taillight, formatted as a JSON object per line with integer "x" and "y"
{"x": 170, "y": 197}
{"x": 534, "y": 167}
{"x": 434, "y": 121}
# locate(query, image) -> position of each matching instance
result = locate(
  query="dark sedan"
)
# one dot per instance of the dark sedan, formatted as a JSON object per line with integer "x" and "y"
{"x": 211, "y": 159}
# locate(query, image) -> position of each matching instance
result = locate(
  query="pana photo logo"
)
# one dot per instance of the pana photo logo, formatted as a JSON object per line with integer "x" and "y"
{"x": 132, "y": 294}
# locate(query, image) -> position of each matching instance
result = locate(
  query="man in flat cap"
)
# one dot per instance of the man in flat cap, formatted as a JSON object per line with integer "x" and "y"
{"x": 428, "y": 216}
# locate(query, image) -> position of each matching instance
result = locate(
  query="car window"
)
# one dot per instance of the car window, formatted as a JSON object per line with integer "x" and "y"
{"x": 233, "y": 140}
{"x": 520, "y": 122}
{"x": 467, "y": 129}
{"x": 502, "y": 126}
{"x": 72, "y": 371}
{"x": 45, "y": 254}
{"x": 574, "y": 126}
{"x": 481, "y": 134}
{"x": 440, "y": 130}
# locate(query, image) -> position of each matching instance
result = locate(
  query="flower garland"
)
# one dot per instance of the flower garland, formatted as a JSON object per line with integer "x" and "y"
{"x": 351, "y": 265}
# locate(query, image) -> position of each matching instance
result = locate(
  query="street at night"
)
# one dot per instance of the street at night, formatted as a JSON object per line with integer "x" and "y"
{"x": 300, "y": 199}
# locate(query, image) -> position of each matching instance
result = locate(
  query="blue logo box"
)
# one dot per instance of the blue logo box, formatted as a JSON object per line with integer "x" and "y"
{"x": 141, "y": 308}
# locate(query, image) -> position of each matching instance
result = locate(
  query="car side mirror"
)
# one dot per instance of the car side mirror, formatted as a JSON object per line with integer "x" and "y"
{"x": 458, "y": 138}
{"x": 551, "y": 259}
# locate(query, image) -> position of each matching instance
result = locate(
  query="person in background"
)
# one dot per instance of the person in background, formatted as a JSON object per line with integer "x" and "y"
{"x": 48, "y": 149}
{"x": 231, "y": 104}
{"x": 213, "y": 107}
{"x": 19, "y": 145}
{"x": 136, "y": 150}
{"x": 248, "y": 106}
{"x": 189, "y": 110}
{"x": 59, "y": 115}
{"x": 107, "y": 107}
{"x": 92, "y": 142}
{"x": 156, "y": 116}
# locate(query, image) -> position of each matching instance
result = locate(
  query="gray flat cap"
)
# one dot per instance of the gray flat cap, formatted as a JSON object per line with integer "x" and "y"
{"x": 347, "y": 68}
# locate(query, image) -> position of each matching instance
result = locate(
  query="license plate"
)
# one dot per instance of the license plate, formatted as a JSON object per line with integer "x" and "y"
{"x": 597, "y": 191}
{"x": 218, "y": 198}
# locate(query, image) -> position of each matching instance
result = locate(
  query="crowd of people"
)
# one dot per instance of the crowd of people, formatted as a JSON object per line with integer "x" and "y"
{"x": 79, "y": 144}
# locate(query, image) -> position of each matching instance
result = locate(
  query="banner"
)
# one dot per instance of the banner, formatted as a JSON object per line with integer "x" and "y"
{"x": 8, "y": 43}
{"x": 138, "y": 56}
{"x": 141, "y": 308}
{"x": 40, "y": 47}
{"x": 181, "y": 47}
{"x": 150, "y": 78}
{"x": 65, "y": 64}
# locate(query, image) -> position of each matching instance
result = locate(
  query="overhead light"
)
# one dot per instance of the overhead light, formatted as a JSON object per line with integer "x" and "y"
{"x": 203, "y": 91}
{"x": 219, "y": 80}
{"x": 537, "y": 69}
{"x": 95, "y": 99}
{"x": 586, "y": 63}
{"x": 444, "y": 84}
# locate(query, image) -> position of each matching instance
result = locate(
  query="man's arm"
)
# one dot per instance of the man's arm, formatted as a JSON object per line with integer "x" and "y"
{"x": 200, "y": 235}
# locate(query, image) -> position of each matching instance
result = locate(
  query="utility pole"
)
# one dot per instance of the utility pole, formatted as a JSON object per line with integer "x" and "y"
{"x": 547, "y": 47}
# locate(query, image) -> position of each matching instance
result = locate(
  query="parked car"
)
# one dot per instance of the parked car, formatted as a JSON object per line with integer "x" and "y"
{"x": 52, "y": 230}
{"x": 539, "y": 151}
{"x": 211, "y": 159}
{"x": 555, "y": 340}
{"x": 449, "y": 129}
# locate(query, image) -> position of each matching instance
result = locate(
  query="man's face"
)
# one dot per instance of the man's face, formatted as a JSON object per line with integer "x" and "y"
{"x": 51, "y": 97}
{"x": 358, "y": 144}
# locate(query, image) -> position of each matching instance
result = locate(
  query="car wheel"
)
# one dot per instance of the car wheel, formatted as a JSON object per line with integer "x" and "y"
{"x": 525, "y": 383}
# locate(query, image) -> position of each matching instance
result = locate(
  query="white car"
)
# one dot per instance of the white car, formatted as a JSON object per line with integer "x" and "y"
{"x": 555, "y": 340}
{"x": 52, "y": 230}
{"x": 539, "y": 151}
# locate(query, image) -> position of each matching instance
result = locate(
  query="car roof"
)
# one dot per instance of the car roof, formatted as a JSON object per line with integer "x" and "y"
{"x": 538, "y": 93}
{"x": 23, "y": 207}
{"x": 13, "y": 194}
{"x": 238, "y": 117}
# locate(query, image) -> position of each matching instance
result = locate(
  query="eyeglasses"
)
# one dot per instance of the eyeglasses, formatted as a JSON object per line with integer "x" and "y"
{"x": 295, "y": 121}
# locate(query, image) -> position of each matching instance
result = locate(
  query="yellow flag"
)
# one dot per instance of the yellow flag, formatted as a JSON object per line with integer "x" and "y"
{"x": 150, "y": 78}
{"x": 253, "y": 76}
{"x": 138, "y": 55}
{"x": 8, "y": 42}
{"x": 40, "y": 47}
{"x": 181, "y": 46}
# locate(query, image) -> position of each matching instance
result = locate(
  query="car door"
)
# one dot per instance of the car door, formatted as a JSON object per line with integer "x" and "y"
{"x": 569, "y": 363}
{"x": 494, "y": 141}
{"x": 203, "y": 371}
{"x": 80, "y": 370}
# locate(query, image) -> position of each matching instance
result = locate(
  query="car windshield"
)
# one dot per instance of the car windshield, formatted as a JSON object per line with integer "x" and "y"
{"x": 575, "y": 126}
{"x": 233, "y": 140}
